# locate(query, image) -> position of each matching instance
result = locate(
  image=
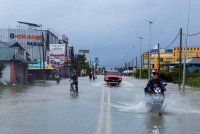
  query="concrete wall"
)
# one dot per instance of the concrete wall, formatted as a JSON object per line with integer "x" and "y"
{"x": 6, "y": 73}
{"x": 19, "y": 70}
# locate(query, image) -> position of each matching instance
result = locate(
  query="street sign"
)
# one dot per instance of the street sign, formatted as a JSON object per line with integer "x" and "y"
{"x": 84, "y": 51}
{"x": 96, "y": 60}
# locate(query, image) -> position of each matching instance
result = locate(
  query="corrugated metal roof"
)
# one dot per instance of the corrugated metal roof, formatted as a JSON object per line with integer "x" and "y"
{"x": 6, "y": 44}
{"x": 187, "y": 61}
{"x": 6, "y": 53}
{"x": 195, "y": 61}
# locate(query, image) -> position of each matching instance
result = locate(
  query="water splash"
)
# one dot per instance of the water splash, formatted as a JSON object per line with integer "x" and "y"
{"x": 173, "y": 104}
{"x": 179, "y": 104}
{"x": 131, "y": 107}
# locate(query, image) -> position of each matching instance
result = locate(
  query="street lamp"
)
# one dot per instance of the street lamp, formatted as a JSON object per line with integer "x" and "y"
{"x": 149, "y": 62}
{"x": 185, "y": 49}
{"x": 140, "y": 57}
{"x": 133, "y": 61}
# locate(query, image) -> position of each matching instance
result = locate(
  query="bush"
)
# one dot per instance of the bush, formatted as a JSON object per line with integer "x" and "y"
{"x": 168, "y": 77}
{"x": 144, "y": 73}
{"x": 194, "y": 82}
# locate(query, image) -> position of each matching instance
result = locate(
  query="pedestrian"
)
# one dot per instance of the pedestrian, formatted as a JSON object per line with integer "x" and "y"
{"x": 18, "y": 79}
{"x": 94, "y": 76}
{"x": 90, "y": 76}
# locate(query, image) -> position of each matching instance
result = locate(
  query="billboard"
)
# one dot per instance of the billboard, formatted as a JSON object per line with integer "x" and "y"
{"x": 57, "y": 55}
{"x": 84, "y": 51}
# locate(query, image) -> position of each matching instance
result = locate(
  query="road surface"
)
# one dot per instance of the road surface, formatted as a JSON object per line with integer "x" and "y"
{"x": 99, "y": 109}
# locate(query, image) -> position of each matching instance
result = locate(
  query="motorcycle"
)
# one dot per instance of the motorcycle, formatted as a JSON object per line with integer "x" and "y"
{"x": 57, "y": 78}
{"x": 155, "y": 100}
{"x": 73, "y": 88}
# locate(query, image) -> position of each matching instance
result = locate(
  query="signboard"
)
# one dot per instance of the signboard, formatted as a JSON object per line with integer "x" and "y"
{"x": 57, "y": 55}
{"x": 26, "y": 36}
{"x": 84, "y": 51}
{"x": 96, "y": 60}
{"x": 38, "y": 65}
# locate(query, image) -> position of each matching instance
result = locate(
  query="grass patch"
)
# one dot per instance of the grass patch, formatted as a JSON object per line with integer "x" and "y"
{"x": 193, "y": 82}
{"x": 12, "y": 85}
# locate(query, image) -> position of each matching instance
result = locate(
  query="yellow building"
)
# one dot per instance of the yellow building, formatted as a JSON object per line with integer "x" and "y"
{"x": 165, "y": 57}
{"x": 168, "y": 56}
{"x": 192, "y": 52}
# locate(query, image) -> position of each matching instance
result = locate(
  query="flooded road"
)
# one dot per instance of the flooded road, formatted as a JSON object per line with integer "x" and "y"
{"x": 99, "y": 109}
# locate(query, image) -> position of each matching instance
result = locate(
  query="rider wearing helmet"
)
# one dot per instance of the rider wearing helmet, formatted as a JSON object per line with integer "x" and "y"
{"x": 153, "y": 83}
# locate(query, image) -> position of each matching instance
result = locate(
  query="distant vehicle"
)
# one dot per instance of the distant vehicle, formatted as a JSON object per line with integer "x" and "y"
{"x": 112, "y": 77}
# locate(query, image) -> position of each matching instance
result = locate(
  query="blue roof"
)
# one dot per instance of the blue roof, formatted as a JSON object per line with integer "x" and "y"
{"x": 166, "y": 50}
{"x": 188, "y": 61}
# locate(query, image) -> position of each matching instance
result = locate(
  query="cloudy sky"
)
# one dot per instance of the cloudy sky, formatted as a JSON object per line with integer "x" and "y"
{"x": 108, "y": 28}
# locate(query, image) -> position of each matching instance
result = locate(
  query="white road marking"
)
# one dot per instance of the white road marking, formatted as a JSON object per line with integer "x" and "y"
{"x": 101, "y": 114}
{"x": 108, "y": 121}
{"x": 99, "y": 125}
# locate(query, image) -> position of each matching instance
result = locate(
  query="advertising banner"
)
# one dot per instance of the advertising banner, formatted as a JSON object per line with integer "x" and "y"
{"x": 57, "y": 55}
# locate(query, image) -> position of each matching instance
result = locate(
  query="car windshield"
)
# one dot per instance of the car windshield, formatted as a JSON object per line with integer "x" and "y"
{"x": 112, "y": 73}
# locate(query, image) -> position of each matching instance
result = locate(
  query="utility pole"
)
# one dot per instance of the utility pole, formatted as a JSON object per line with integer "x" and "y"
{"x": 136, "y": 62}
{"x": 140, "y": 57}
{"x": 148, "y": 57}
{"x": 158, "y": 57}
{"x": 43, "y": 50}
{"x": 180, "y": 60}
{"x": 149, "y": 65}
{"x": 133, "y": 62}
{"x": 140, "y": 66}
{"x": 136, "y": 65}
{"x": 185, "y": 49}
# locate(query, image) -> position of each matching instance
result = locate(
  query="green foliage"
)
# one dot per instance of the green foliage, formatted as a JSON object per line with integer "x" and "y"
{"x": 168, "y": 77}
{"x": 192, "y": 78}
{"x": 80, "y": 63}
{"x": 194, "y": 82}
{"x": 144, "y": 73}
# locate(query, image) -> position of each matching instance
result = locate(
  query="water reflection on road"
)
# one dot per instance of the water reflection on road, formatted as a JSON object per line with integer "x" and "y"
{"x": 99, "y": 108}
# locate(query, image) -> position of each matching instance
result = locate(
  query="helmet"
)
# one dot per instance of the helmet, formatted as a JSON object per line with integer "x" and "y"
{"x": 155, "y": 73}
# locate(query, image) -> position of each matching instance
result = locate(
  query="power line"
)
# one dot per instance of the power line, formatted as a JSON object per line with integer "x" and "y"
{"x": 193, "y": 34}
{"x": 172, "y": 41}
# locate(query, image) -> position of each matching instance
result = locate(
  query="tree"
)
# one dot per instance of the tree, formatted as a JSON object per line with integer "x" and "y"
{"x": 80, "y": 64}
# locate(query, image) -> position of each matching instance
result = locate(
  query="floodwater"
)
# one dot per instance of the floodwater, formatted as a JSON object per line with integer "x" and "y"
{"x": 99, "y": 109}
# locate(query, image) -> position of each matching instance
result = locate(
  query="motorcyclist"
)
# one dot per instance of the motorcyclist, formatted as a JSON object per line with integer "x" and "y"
{"x": 153, "y": 83}
{"x": 74, "y": 79}
{"x": 90, "y": 76}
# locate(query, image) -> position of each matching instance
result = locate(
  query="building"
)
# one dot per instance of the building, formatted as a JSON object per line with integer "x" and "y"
{"x": 16, "y": 61}
{"x": 192, "y": 64}
{"x": 169, "y": 56}
{"x": 165, "y": 57}
{"x": 30, "y": 39}
{"x": 35, "y": 41}
{"x": 192, "y": 52}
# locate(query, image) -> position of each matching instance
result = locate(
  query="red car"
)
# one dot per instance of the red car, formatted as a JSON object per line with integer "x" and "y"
{"x": 112, "y": 76}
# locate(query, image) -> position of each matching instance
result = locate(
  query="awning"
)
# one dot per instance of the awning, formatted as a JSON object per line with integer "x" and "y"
{"x": 38, "y": 68}
{"x": 30, "y": 62}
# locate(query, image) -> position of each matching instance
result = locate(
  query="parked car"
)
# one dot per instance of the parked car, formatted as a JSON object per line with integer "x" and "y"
{"x": 112, "y": 76}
